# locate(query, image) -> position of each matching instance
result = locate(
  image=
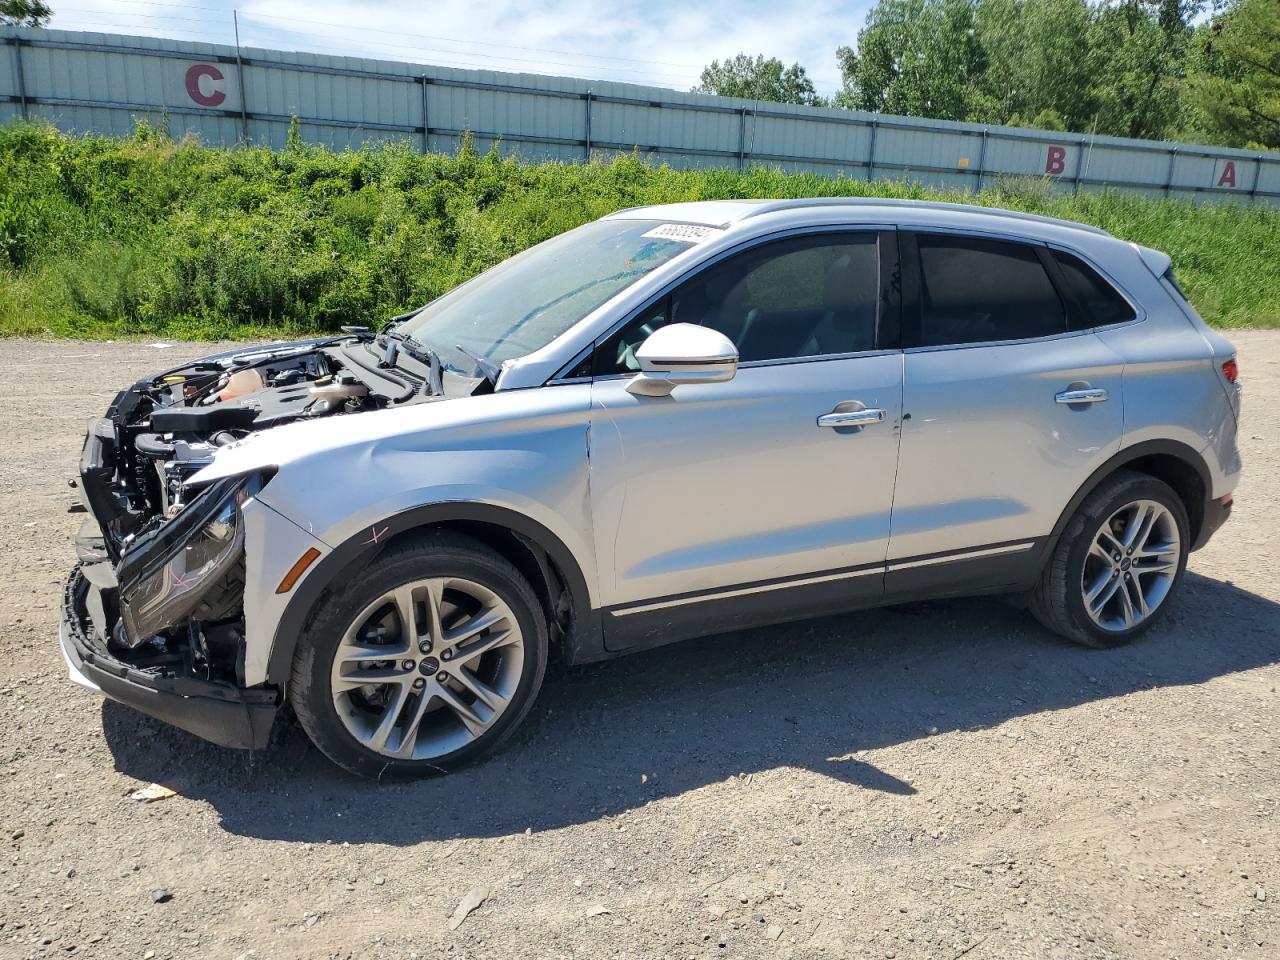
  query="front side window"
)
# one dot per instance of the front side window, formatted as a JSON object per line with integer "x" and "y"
{"x": 802, "y": 297}
{"x": 974, "y": 290}
{"x": 617, "y": 354}
{"x": 524, "y": 303}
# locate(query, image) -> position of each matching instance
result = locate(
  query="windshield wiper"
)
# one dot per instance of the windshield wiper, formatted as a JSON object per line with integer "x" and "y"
{"x": 397, "y": 320}
{"x": 434, "y": 384}
{"x": 484, "y": 366}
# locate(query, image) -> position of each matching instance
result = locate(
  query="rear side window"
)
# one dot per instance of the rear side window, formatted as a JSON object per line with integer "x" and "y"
{"x": 974, "y": 290}
{"x": 1097, "y": 301}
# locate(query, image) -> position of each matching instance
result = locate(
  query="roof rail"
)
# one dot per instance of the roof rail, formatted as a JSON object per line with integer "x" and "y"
{"x": 770, "y": 206}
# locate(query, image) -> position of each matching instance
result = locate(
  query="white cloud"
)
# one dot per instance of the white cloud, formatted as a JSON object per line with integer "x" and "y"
{"x": 660, "y": 42}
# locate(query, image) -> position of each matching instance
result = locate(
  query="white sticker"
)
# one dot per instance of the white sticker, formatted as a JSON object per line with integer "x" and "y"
{"x": 684, "y": 232}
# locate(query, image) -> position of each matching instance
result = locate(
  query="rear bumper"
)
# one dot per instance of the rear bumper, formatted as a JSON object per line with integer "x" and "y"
{"x": 1216, "y": 513}
{"x": 217, "y": 712}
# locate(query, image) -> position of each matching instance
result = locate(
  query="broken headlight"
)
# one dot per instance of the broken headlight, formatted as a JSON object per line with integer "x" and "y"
{"x": 166, "y": 571}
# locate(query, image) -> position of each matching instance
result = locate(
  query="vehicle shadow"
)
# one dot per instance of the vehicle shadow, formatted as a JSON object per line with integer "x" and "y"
{"x": 611, "y": 737}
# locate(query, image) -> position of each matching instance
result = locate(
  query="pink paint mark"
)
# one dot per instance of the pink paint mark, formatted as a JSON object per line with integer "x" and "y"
{"x": 377, "y": 534}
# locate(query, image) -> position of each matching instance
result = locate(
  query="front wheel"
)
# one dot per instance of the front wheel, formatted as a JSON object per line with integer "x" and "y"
{"x": 1118, "y": 563}
{"x": 425, "y": 661}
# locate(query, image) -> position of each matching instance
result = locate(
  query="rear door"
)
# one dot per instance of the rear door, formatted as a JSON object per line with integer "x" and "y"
{"x": 1006, "y": 410}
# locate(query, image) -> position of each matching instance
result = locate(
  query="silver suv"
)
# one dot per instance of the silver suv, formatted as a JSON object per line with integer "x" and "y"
{"x": 673, "y": 421}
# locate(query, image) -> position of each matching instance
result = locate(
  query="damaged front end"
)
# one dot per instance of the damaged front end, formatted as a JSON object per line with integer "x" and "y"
{"x": 163, "y": 630}
{"x": 154, "y": 612}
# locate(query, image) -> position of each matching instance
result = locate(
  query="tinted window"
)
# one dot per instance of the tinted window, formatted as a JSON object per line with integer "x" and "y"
{"x": 805, "y": 297}
{"x": 974, "y": 290}
{"x": 617, "y": 354}
{"x": 1098, "y": 301}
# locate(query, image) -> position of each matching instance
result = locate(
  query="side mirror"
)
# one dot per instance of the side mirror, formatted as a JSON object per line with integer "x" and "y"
{"x": 682, "y": 353}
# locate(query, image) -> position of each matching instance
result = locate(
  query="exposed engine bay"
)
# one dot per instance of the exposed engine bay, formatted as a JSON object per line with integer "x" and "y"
{"x": 161, "y": 577}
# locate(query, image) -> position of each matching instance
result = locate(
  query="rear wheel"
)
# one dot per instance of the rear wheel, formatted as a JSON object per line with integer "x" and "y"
{"x": 425, "y": 661}
{"x": 1117, "y": 564}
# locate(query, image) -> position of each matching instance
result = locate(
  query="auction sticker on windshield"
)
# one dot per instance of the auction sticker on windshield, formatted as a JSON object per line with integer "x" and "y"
{"x": 685, "y": 232}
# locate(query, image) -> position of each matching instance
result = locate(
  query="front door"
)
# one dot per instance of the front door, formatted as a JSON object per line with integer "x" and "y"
{"x": 733, "y": 503}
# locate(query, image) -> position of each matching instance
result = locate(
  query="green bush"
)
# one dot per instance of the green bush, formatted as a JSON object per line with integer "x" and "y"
{"x": 148, "y": 236}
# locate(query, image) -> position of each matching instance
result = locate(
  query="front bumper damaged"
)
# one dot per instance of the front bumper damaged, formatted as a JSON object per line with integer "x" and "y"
{"x": 219, "y": 712}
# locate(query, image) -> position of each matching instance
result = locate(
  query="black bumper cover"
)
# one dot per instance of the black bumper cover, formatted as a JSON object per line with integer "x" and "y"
{"x": 217, "y": 712}
{"x": 1216, "y": 514}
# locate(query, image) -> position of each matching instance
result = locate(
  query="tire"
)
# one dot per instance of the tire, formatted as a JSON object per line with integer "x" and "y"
{"x": 1060, "y": 601}
{"x": 451, "y": 704}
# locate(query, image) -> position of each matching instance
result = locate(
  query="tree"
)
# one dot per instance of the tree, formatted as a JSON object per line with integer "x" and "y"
{"x": 24, "y": 13}
{"x": 1137, "y": 52}
{"x": 1105, "y": 66}
{"x": 755, "y": 78}
{"x": 1034, "y": 72}
{"x": 1236, "y": 93}
{"x": 916, "y": 57}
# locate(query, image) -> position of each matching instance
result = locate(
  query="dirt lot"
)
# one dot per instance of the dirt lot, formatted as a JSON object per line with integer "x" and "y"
{"x": 937, "y": 781}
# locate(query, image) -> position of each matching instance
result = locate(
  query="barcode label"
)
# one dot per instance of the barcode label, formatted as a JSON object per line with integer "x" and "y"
{"x": 684, "y": 232}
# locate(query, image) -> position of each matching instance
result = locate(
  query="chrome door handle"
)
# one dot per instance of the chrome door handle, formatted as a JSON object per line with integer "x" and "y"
{"x": 851, "y": 418}
{"x": 1092, "y": 395}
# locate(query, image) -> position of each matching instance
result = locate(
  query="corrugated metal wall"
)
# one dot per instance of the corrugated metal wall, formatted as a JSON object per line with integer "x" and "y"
{"x": 104, "y": 83}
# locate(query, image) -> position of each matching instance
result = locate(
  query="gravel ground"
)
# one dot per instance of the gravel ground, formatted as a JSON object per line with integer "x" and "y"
{"x": 935, "y": 781}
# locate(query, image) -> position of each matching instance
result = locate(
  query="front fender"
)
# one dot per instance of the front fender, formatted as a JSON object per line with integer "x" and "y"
{"x": 358, "y": 551}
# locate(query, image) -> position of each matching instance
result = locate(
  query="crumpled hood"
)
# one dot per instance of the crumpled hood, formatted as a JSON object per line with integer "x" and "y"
{"x": 522, "y": 449}
{"x": 440, "y": 424}
{"x": 282, "y": 446}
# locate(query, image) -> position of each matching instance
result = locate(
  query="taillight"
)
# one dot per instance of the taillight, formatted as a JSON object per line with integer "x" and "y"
{"x": 1230, "y": 370}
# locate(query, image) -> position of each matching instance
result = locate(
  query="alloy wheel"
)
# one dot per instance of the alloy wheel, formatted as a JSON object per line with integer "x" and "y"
{"x": 1131, "y": 565}
{"x": 427, "y": 668}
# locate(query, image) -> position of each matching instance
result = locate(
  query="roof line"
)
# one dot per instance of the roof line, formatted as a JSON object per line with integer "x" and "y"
{"x": 771, "y": 206}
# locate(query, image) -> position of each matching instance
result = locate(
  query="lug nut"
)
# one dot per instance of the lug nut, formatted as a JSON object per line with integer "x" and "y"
{"x": 408, "y": 665}
{"x": 442, "y": 676}
{"x": 419, "y": 684}
{"x": 425, "y": 646}
{"x": 446, "y": 655}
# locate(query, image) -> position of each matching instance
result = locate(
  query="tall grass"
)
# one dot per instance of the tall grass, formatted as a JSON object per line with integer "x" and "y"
{"x": 108, "y": 238}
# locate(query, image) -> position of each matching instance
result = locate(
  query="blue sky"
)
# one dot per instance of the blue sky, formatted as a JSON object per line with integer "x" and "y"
{"x": 659, "y": 42}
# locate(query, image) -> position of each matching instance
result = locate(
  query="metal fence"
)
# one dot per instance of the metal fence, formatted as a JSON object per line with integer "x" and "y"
{"x": 104, "y": 83}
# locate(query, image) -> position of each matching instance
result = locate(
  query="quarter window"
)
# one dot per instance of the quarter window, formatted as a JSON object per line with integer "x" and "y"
{"x": 974, "y": 290}
{"x": 1098, "y": 302}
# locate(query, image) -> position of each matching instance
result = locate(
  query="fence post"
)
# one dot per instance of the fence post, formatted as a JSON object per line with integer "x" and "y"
{"x": 742, "y": 138}
{"x": 871, "y": 153}
{"x": 1075, "y": 177}
{"x": 22, "y": 80}
{"x": 588, "y": 127}
{"x": 982, "y": 159}
{"x": 426, "y": 130}
{"x": 244, "y": 112}
{"x": 1168, "y": 177}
